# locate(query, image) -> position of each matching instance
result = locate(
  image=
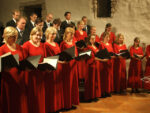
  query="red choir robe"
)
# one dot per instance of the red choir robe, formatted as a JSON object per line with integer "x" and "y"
{"x": 135, "y": 69}
{"x": 147, "y": 69}
{"x": 112, "y": 37}
{"x": 92, "y": 80}
{"x": 70, "y": 79}
{"x": 81, "y": 64}
{"x": 119, "y": 69}
{"x": 13, "y": 90}
{"x": 106, "y": 71}
{"x": 35, "y": 80}
{"x": 54, "y": 83}
{"x": 80, "y": 36}
{"x": 97, "y": 39}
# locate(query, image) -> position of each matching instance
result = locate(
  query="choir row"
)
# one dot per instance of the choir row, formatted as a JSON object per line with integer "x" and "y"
{"x": 36, "y": 91}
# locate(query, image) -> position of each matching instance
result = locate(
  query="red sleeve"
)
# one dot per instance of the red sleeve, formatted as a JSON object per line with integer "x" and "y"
{"x": 141, "y": 51}
{"x": 131, "y": 51}
{"x": 77, "y": 35}
{"x": 1, "y": 51}
{"x": 63, "y": 46}
{"x": 26, "y": 49}
{"x": 101, "y": 37}
{"x": 113, "y": 36}
{"x": 147, "y": 51}
{"x": 97, "y": 39}
{"x": 85, "y": 34}
{"x": 116, "y": 48}
{"x": 92, "y": 59}
{"x": 48, "y": 51}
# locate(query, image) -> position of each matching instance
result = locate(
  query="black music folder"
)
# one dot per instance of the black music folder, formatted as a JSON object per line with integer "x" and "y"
{"x": 67, "y": 54}
{"x": 30, "y": 62}
{"x": 136, "y": 56}
{"x": 103, "y": 54}
{"x": 80, "y": 44}
{"x": 84, "y": 55}
{"x": 96, "y": 44}
{"x": 124, "y": 53}
{"x": 49, "y": 63}
{"x": 8, "y": 61}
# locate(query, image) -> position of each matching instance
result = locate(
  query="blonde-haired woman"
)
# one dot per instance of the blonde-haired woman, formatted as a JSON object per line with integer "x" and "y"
{"x": 13, "y": 95}
{"x": 54, "y": 84}
{"x": 80, "y": 34}
{"x": 135, "y": 67}
{"x": 119, "y": 65}
{"x": 70, "y": 77}
{"x": 106, "y": 68}
{"x": 36, "y": 86}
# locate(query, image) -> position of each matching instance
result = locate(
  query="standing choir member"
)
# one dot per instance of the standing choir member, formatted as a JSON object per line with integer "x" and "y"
{"x": 54, "y": 84}
{"x": 112, "y": 36}
{"x": 147, "y": 69}
{"x": 92, "y": 80}
{"x": 107, "y": 68}
{"x": 135, "y": 67}
{"x": 15, "y": 17}
{"x": 13, "y": 92}
{"x": 70, "y": 75}
{"x": 86, "y": 26}
{"x": 119, "y": 65}
{"x": 66, "y": 22}
{"x": 93, "y": 32}
{"x": 81, "y": 35}
{"x": 36, "y": 89}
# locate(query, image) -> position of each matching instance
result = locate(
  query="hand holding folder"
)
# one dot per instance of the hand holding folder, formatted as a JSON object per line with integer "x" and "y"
{"x": 103, "y": 54}
{"x": 138, "y": 57}
{"x": 49, "y": 63}
{"x": 8, "y": 61}
{"x": 67, "y": 54}
{"x": 84, "y": 55}
{"x": 30, "y": 63}
{"x": 124, "y": 54}
{"x": 80, "y": 44}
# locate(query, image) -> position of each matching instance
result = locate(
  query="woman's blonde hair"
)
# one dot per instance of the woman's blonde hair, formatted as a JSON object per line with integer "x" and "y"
{"x": 105, "y": 34}
{"x": 117, "y": 38}
{"x": 34, "y": 31}
{"x": 68, "y": 30}
{"x": 80, "y": 22}
{"x": 50, "y": 30}
{"x": 10, "y": 32}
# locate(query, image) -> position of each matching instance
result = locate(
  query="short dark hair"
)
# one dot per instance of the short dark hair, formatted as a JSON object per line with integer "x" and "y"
{"x": 21, "y": 18}
{"x": 84, "y": 17}
{"x": 57, "y": 21}
{"x": 108, "y": 25}
{"x": 15, "y": 10}
{"x": 33, "y": 14}
{"x": 66, "y": 13}
{"x": 38, "y": 20}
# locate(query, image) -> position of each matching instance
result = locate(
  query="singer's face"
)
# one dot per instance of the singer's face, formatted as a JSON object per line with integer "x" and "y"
{"x": 52, "y": 36}
{"x": 92, "y": 39}
{"x": 11, "y": 40}
{"x": 36, "y": 37}
{"x": 69, "y": 35}
{"x": 93, "y": 31}
{"x": 137, "y": 42}
{"x": 121, "y": 39}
